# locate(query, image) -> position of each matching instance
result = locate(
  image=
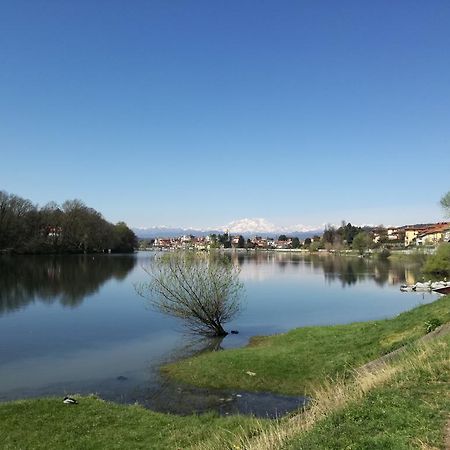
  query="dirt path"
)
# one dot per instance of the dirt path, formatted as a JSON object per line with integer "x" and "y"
{"x": 372, "y": 365}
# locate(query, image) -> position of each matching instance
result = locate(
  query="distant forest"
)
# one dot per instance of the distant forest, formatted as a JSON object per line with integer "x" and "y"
{"x": 68, "y": 228}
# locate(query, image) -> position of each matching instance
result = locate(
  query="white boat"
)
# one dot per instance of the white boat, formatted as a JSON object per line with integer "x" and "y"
{"x": 425, "y": 287}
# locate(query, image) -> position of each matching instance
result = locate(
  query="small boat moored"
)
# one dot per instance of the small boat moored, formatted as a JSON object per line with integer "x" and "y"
{"x": 442, "y": 290}
{"x": 442, "y": 287}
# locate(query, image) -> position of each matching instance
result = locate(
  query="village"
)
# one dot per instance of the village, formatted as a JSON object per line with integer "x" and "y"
{"x": 403, "y": 237}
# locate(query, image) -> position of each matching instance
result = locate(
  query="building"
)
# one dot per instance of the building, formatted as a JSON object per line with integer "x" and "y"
{"x": 434, "y": 235}
{"x": 430, "y": 234}
{"x": 411, "y": 233}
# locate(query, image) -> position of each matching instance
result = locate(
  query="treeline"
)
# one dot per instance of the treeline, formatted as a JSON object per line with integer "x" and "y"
{"x": 68, "y": 228}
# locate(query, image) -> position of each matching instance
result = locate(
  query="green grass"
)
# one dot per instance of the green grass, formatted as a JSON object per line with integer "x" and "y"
{"x": 95, "y": 424}
{"x": 409, "y": 412}
{"x": 297, "y": 361}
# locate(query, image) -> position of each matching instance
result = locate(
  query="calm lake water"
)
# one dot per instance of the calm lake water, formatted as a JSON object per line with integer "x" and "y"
{"x": 74, "y": 324}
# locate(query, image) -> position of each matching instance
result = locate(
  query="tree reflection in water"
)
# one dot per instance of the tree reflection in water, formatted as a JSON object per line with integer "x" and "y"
{"x": 67, "y": 279}
{"x": 348, "y": 270}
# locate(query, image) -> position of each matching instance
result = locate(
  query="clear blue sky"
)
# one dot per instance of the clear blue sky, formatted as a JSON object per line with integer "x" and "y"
{"x": 199, "y": 113}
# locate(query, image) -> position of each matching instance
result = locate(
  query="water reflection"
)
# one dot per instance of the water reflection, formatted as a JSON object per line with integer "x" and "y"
{"x": 116, "y": 345}
{"x": 347, "y": 270}
{"x": 67, "y": 279}
{"x": 196, "y": 345}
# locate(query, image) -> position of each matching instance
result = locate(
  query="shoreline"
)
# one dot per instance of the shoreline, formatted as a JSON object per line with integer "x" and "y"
{"x": 50, "y": 424}
{"x": 330, "y": 351}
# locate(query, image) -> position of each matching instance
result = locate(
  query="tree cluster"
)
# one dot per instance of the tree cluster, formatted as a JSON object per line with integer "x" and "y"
{"x": 343, "y": 235}
{"x": 220, "y": 240}
{"x": 68, "y": 228}
{"x": 348, "y": 236}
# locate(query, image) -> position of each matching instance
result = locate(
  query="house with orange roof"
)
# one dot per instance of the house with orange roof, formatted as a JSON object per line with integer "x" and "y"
{"x": 434, "y": 234}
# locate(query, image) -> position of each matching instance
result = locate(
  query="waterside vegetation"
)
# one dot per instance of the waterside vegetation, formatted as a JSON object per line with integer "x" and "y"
{"x": 439, "y": 263}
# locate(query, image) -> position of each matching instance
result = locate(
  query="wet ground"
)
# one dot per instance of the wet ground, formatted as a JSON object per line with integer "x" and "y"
{"x": 175, "y": 398}
{"x": 183, "y": 399}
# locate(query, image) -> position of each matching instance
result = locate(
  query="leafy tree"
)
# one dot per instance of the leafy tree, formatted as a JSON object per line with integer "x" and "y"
{"x": 383, "y": 234}
{"x": 241, "y": 242}
{"x": 348, "y": 232}
{"x": 201, "y": 290}
{"x": 307, "y": 242}
{"x": 295, "y": 242}
{"x": 329, "y": 235}
{"x": 282, "y": 237}
{"x": 445, "y": 203}
{"x": 361, "y": 242}
{"x": 224, "y": 239}
{"x": 125, "y": 239}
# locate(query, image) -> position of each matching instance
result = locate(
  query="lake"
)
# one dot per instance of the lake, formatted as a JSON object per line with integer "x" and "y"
{"x": 74, "y": 324}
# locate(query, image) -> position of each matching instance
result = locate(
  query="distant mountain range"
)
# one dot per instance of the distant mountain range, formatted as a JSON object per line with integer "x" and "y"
{"x": 245, "y": 227}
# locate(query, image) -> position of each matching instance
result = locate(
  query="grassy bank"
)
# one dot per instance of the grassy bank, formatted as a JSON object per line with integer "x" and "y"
{"x": 95, "y": 424}
{"x": 297, "y": 361}
{"x": 402, "y": 404}
{"x": 408, "y": 410}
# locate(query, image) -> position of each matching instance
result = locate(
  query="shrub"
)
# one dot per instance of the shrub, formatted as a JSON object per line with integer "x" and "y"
{"x": 432, "y": 324}
{"x": 439, "y": 263}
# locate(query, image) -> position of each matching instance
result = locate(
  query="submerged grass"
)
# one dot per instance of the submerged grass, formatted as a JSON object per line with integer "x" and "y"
{"x": 298, "y": 361}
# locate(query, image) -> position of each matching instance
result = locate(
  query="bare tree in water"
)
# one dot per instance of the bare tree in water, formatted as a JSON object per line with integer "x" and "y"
{"x": 201, "y": 289}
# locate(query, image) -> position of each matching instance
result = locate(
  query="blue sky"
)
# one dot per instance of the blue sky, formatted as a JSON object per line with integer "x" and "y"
{"x": 199, "y": 113}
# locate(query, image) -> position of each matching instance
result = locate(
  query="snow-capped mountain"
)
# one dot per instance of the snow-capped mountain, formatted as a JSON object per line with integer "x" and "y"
{"x": 246, "y": 227}
{"x": 263, "y": 226}
{"x": 164, "y": 231}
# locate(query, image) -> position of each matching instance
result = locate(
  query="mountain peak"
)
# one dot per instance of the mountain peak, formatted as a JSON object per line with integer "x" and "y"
{"x": 262, "y": 226}
{"x": 245, "y": 226}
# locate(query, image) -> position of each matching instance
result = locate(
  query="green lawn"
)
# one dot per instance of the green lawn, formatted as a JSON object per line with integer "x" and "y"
{"x": 95, "y": 424}
{"x": 297, "y": 361}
